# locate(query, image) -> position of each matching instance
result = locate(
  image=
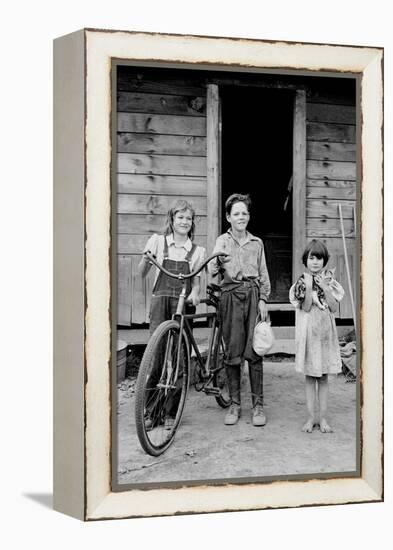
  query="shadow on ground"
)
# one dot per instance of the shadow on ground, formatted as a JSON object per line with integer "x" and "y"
{"x": 45, "y": 499}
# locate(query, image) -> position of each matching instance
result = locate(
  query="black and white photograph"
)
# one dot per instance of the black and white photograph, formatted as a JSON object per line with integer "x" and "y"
{"x": 235, "y": 244}
{"x": 197, "y": 274}
{"x": 221, "y": 346}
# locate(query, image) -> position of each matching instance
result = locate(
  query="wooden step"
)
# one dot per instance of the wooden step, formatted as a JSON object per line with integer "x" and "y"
{"x": 283, "y": 345}
{"x": 284, "y": 342}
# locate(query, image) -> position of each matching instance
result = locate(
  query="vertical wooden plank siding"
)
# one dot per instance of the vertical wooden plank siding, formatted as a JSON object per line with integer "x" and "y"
{"x": 299, "y": 181}
{"x": 124, "y": 289}
{"x": 213, "y": 164}
{"x": 331, "y": 180}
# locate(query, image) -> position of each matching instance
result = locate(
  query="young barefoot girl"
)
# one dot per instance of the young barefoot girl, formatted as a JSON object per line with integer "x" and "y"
{"x": 315, "y": 296}
{"x": 177, "y": 253}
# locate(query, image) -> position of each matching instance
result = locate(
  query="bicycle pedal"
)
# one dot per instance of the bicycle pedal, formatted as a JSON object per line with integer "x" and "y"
{"x": 166, "y": 386}
{"x": 202, "y": 376}
{"x": 211, "y": 391}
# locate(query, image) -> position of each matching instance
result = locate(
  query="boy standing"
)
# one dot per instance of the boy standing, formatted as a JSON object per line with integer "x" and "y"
{"x": 245, "y": 288}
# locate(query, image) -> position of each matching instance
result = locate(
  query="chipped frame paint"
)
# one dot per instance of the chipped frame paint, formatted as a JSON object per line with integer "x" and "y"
{"x": 244, "y": 54}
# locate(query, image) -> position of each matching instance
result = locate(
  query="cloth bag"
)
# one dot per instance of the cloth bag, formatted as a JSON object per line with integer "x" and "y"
{"x": 263, "y": 338}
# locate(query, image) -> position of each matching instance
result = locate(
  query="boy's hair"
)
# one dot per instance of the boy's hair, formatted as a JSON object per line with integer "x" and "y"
{"x": 318, "y": 249}
{"x": 179, "y": 206}
{"x": 233, "y": 199}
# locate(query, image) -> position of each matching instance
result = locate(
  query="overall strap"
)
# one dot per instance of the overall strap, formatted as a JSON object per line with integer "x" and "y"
{"x": 190, "y": 253}
{"x": 165, "y": 252}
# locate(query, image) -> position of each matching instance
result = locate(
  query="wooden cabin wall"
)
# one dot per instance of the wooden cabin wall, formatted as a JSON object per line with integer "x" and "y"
{"x": 331, "y": 180}
{"x": 161, "y": 139}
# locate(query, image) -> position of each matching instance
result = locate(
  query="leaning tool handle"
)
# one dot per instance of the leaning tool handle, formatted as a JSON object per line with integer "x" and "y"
{"x": 181, "y": 276}
{"x": 347, "y": 264}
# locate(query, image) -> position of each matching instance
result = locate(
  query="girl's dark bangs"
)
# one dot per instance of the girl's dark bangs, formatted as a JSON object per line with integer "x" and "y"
{"x": 317, "y": 249}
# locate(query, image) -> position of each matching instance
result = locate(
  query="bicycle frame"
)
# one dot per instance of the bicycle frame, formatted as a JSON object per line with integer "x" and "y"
{"x": 182, "y": 319}
{"x": 214, "y": 338}
{"x": 154, "y": 432}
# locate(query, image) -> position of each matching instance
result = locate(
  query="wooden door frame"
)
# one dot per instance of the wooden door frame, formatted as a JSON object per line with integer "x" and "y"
{"x": 299, "y": 182}
{"x": 213, "y": 181}
{"x": 213, "y": 160}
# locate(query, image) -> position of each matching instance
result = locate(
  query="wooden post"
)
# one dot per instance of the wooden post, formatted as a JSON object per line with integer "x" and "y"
{"x": 299, "y": 182}
{"x": 213, "y": 138}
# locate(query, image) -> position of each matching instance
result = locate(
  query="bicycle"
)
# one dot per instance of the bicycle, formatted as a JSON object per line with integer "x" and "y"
{"x": 164, "y": 373}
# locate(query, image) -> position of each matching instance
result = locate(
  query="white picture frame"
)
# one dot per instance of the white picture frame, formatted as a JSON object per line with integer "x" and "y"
{"x": 82, "y": 384}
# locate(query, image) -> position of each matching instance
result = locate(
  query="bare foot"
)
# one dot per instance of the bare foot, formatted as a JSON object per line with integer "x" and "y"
{"x": 308, "y": 426}
{"x": 324, "y": 426}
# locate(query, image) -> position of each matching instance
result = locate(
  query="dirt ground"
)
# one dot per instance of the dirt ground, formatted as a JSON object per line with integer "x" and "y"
{"x": 204, "y": 448}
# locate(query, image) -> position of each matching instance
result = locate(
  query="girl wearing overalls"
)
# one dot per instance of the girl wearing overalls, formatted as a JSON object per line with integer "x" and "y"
{"x": 176, "y": 252}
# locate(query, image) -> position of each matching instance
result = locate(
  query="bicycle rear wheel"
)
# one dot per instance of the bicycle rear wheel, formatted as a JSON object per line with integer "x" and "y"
{"x": 220, "y": 380}
{"x": 160, "y": 392}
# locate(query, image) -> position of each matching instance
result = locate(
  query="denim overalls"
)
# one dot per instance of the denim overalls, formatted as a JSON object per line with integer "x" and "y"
{"x": 164, "y": 301}
{"x": 166, "y": 290}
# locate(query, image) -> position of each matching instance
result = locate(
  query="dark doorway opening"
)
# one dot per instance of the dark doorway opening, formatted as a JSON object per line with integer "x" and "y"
{"x": 257, "y": 143}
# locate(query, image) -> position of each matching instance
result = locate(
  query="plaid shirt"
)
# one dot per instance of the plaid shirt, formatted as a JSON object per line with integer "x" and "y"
{"x": 247, "y": 262}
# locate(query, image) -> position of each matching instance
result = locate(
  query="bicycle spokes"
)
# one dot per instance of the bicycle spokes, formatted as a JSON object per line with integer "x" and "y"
{"x": 162, "y": 387}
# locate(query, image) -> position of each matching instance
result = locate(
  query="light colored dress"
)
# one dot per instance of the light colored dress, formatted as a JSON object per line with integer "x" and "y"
{"x": 317, "y": 348}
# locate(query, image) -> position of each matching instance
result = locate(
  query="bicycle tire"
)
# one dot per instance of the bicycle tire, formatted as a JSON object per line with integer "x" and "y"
{"x": 220, "y": 380}
{"x": 163, "y": 396}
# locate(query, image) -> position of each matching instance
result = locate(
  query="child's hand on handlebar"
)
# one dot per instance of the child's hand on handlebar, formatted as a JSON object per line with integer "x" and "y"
{"x": 146, "y": 255}
{"x": 193, "y": 298}
{"x": 224, "y": 258}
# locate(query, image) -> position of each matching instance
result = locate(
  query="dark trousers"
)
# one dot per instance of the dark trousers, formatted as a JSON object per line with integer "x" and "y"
{"x": 239, "y": 311}
{"x": 162, "y": 308}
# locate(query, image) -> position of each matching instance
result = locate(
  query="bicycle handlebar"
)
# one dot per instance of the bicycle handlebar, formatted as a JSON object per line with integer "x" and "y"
{"x": 181, "y": 276}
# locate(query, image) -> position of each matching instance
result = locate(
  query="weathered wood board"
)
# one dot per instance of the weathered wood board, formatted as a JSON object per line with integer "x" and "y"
{"x": 322, "y": 112}
{"x": 320, "y": 228}
{"x": 161, "y": 104}
{"x": 327, "y": 209}
{"x": 161, "y": 124}
{"x": 345, "y": 133}
{"x": 175, "y": 165}
{"x": 339, "y": 194}
{"x": 324, "y": 150}
{"x": 331, "y": 169}
{"x": 165, "y": 85}
{"x": 163, "y": 144}
{"x": 161, "y": 185}
{"x": 136, "y": 224}
{"x": 154, "y": 204}
{"x": 134, "y": 244}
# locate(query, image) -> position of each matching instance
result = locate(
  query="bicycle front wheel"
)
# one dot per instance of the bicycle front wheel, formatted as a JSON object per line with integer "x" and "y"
{"x": 161, "y": 388}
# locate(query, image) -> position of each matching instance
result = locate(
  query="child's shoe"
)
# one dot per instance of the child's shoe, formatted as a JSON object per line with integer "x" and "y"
{"x": 232, "y": 415}
{"x": 258, "y": 416}
{"x": 169, "y": 422}
{"x": 148, "y": 423}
